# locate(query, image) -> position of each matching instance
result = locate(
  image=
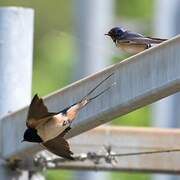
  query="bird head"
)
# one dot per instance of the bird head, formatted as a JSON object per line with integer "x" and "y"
{"x": 116, "y": 33}
{"x": 31, "y": 135}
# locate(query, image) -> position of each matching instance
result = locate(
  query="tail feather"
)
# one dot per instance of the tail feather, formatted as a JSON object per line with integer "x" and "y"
{"x": 92, "y": 90}
{"x": 72, "y": 111}
{"x": 86, "y": 99}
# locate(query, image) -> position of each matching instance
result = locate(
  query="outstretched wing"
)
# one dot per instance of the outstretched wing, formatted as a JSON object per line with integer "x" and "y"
{"x": 59, "y": 146}
{"x": 37, "y": 113}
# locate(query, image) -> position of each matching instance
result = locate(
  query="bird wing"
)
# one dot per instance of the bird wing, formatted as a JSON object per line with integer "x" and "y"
{"x": 157, "y": 39}
{"x": 37, "y": 112}
{"x": 146, "y": 40}
{"x": 138, "y": 38}
{"x": 59, "y": 146}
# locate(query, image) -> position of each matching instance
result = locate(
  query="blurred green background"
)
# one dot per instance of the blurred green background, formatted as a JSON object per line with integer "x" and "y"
{"x": 54, "y": 50}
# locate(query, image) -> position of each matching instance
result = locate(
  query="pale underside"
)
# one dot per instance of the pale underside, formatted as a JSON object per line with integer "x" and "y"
{"x": 132, "y": 48}
{"x": 53, "y": 127}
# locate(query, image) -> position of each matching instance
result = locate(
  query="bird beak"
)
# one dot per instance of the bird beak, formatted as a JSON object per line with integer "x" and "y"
{"x": 107, "y": 34}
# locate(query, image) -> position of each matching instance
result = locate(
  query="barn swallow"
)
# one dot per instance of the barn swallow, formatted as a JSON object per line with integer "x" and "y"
{"x": 49, "y": 128}
{"x": 131, "y": 42}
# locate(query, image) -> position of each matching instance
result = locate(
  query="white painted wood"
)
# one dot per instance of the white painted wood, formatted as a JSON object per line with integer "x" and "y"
{"x": 16, "y": 41}
{"x": 16, "y": 47}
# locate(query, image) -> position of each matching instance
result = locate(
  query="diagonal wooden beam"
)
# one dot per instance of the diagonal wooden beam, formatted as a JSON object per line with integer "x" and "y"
{"x": 140, "y": 80}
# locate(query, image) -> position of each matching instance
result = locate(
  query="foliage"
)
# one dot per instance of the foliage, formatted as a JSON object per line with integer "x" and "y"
{"x": 129, "y": 176}
{"x": 134, "y": 9}
{"x": 58, "y": 175}
{"x": 54, "y": 68}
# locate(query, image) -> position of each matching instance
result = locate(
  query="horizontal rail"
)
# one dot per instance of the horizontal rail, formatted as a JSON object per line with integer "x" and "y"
{"x": 123, "y": 140}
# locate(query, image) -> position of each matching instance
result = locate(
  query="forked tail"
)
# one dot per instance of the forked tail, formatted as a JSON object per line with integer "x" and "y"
{"x": 86, "y": 99}
{"x": 71, "y": 112}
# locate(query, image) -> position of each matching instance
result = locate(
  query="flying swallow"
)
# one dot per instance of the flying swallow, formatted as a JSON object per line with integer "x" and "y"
{"x": 131, "y": 42}
{"x": 49, "y": 128}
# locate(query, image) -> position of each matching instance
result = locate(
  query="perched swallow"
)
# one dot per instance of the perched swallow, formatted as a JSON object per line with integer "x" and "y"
{"x": 131, "y": 42}
{"x": 49, "y": 128}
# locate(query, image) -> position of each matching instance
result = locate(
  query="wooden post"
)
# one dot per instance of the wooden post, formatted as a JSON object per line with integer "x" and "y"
{"x": 16, "y": 42}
